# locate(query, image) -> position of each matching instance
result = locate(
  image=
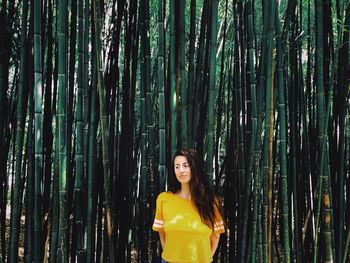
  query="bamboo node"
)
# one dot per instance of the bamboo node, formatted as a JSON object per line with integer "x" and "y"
{"x": 327, "y": 218}
{"x": 326, "y": 201}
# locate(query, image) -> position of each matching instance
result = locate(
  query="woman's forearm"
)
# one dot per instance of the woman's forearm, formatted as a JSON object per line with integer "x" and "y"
{"x": 162, "y": 238}
{"x": 214, "y": 242}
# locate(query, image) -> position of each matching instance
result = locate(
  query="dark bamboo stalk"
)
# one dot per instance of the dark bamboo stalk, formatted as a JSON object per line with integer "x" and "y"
{"x": 212, "y": 90}
{"x": 92, "y": 188}
{"x": 173, "y": 94}
{"x": 20, "y": 121}
{"x": 38, "y": 91}
{"x": 191, "y": 76}
{"x": 79, "y": 162}
{"x": 104, "y": 130}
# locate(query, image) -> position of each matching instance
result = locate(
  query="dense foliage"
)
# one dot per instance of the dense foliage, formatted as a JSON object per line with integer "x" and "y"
{"x": 97, "y": 95}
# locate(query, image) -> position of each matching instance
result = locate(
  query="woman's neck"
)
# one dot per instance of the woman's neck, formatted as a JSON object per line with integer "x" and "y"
{"x": 185, "y": 191}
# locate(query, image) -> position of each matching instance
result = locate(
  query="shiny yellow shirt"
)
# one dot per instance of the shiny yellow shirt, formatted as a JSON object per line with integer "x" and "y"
{"x": 187, "y": 238}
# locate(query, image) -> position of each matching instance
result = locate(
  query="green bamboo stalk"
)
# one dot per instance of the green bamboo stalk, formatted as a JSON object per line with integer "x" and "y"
{"x": 283, "y": 140}
{"x": 91, "y": 181}
{"x": 310, "y": 192}
{"x": 86, "y": 102}
{"x": 268, "y": 138}
{"x": 220, "y": 100}
{"x": 198, "y": 97}
{"x": 104, "y": 129}
{"x": 238, "y": 115}
{"x": 255, "y": 133}
{"x": 55, "y": 202}
{"x": 143, "y": 135}
{"x": 343, "y": 60}
{"x": 183, "y": 82}
{"x": 29, "y": 226}
{"x": 291, "y": 9}
{"x": 341, "y": 209}
{"x": 190, "y": 77}
{"x": 55, "y": 176}
{"x": 79, "y": 161}
{"x": 101, "y": 242}
{"x": 173, "y": 93}
{"x": 336, "y": 243}
{"x": 323, "y": 193}
{"x": 2, "y": 87}
{"x": 136, "y": 145}
{"x": 3, "y": 91}
{"x": 20, "y": 120}
{"x": 161, "y": 98}
{"x": 145, "y": 120}
{"x": 256, "y": 205}
{"x": 62, "y": 130}
{"x": 147, "y": 80}
{"x": 91, "y": 165}
{"x": 345, "y": 252}
{"x": 29, "y": 188}
{"x": 295, "y": 89}
{"x": 72, "y": 31}
{"x": 260, "y": 253}
{"x": 126, "y": 134}
{"x": 47, "y": 125}
{"x": 346, "y": 246}
{"x": 212, "y": 91}
{"x": 268, "y": 125}
{"x": 347, "y": 157}
{"x": 270, "y": 175}
{"x": 38, "y": 91}
{"x": 244, "y": 174}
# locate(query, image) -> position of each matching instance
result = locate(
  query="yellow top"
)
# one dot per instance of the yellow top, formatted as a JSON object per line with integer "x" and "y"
{"x": 187, "y": 238}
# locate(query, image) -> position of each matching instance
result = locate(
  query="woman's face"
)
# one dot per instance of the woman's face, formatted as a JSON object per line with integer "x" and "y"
{"x": 182, "y": 170}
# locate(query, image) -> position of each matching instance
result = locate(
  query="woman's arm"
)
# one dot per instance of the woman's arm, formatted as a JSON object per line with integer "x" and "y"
{"x": 162, "y": 238}
{"x": 214, "y": 242}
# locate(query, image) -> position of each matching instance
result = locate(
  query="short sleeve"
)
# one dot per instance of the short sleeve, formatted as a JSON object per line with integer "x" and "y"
{"x": 219, "y": 226}
{"x": 158, "y": 219}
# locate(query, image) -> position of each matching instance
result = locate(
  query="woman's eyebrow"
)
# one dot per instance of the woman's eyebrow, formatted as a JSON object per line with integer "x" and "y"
{"x": 181, "y": 163}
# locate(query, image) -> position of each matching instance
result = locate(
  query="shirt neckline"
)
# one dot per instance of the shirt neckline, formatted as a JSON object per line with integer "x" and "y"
{"x": 187, "y": 200}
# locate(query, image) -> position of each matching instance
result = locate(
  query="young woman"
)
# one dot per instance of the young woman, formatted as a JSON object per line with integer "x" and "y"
{"x": 188, "y": 216}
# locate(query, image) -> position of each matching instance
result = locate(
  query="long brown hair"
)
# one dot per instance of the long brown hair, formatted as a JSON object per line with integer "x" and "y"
{"x": 201, "y": 194}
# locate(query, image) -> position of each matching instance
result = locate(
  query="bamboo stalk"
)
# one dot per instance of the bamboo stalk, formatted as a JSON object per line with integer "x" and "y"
{"x": 161, "y": 98}
{"x": 38, "y": 91}
{"x": 79, "y": 160}
{"x": 104, "y": 130}
{"x": 20, "y": 121}
{"x": 283, "y": 142}
{"x": 173, "y": 94}
{"x": 212, "y": 91}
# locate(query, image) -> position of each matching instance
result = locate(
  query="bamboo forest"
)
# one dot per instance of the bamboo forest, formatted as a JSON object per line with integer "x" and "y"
{"x": 96, "y": 96}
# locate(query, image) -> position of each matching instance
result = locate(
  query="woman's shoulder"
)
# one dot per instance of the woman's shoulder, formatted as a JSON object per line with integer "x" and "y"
{"x": 164, "y": 195}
